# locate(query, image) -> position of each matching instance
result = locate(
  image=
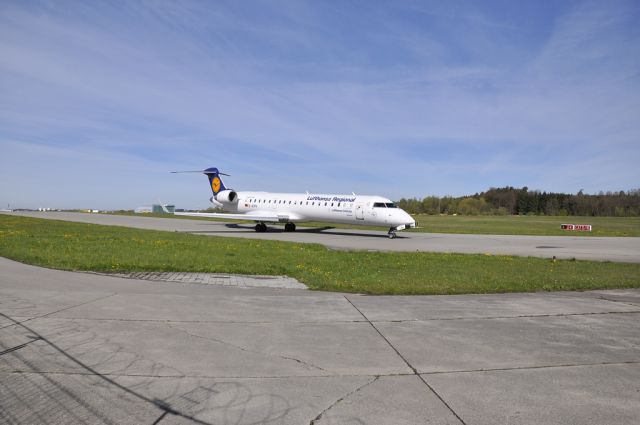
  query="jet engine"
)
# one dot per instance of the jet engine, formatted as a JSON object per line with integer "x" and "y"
{"x": 227, "y": 197}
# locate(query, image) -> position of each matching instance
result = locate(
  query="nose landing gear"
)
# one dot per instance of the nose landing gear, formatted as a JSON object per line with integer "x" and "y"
{"x": 392, "y": 233}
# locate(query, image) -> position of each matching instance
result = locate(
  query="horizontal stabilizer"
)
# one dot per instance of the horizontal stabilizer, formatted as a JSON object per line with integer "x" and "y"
{"x": 200, "y": 171}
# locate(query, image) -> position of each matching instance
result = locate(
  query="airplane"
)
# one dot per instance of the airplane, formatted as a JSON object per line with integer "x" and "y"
{"x": 291, "y": 208}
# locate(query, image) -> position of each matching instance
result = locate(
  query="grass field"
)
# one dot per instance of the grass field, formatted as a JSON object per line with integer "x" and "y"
{"x": 528, "y": 225}
{"x": 496, "y": 225}
{"x": 78, "y": 246}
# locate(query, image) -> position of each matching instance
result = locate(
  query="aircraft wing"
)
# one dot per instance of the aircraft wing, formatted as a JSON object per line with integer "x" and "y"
{"x": 254, "y": 216}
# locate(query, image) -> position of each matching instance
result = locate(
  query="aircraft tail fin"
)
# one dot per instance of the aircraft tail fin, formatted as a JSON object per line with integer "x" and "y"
{"x": 215, "y": 182}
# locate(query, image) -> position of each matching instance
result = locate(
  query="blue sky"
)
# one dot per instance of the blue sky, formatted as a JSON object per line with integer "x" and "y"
{"x": 100, "y": 100}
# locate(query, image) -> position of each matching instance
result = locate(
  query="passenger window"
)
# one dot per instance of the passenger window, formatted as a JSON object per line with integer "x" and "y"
{"x": 338, "y": 203}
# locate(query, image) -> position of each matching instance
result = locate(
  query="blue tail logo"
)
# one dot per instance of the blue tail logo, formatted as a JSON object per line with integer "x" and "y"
{"x": 214, "y": 180}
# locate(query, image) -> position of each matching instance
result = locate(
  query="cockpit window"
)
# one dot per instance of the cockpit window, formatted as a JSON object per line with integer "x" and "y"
{"x": 379, "y": 205}
{"x": 391, "y": 205}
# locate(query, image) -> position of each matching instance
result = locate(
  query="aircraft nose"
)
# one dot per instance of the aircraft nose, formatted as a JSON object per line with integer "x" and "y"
{"x": 407, "y": 219}
{"x": 410, "y": 221}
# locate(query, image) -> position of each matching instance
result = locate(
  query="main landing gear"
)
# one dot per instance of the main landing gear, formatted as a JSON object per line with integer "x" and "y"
{"x": 392, "y": 233}
{"x": 288, "y": 227}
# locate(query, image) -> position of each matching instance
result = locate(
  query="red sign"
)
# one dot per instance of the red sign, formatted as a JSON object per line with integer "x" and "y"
{"x": 576, "y": 227}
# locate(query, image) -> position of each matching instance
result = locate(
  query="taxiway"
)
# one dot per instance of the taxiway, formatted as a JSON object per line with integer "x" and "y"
{"x": 622, "y": 249}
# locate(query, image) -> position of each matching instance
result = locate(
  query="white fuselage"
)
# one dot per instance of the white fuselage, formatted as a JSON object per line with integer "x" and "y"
{"x": 299, "y": 207}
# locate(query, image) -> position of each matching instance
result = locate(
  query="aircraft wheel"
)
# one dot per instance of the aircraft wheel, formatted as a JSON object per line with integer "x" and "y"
{"x": 392, "y": 235}
{"x": 289, "y": 227}
{"x": 261, "y": 227}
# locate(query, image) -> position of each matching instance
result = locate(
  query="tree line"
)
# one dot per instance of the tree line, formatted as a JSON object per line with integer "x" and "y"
{"x": 515, "y": 201}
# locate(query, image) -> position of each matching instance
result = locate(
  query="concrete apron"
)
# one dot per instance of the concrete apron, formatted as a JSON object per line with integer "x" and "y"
{"x": 80, "y": 347}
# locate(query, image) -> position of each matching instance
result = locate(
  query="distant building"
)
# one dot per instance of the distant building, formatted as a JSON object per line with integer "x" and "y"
{"x": 156, "y": 209}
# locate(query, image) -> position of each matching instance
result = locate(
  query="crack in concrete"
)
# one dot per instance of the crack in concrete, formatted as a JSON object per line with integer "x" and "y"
{"x": 160, "y": 418}
{"x": 303, "y": 362}
{"x": 17, "y": 323}
{"x": 134, "y": 375}
{"x": 501, "y": 369}
{"x": 257, "y": 322}
{"x": 17, "y": 347}
{"x": 444, "y": 372}
{"x": 219, "y": 341}
{"x": 415, "y": 371}
{"x": 435, "y": 319}
{"x": 338, "y": 401}
{"x": 524, "y": 316}
{"x": 629, "y": 303}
